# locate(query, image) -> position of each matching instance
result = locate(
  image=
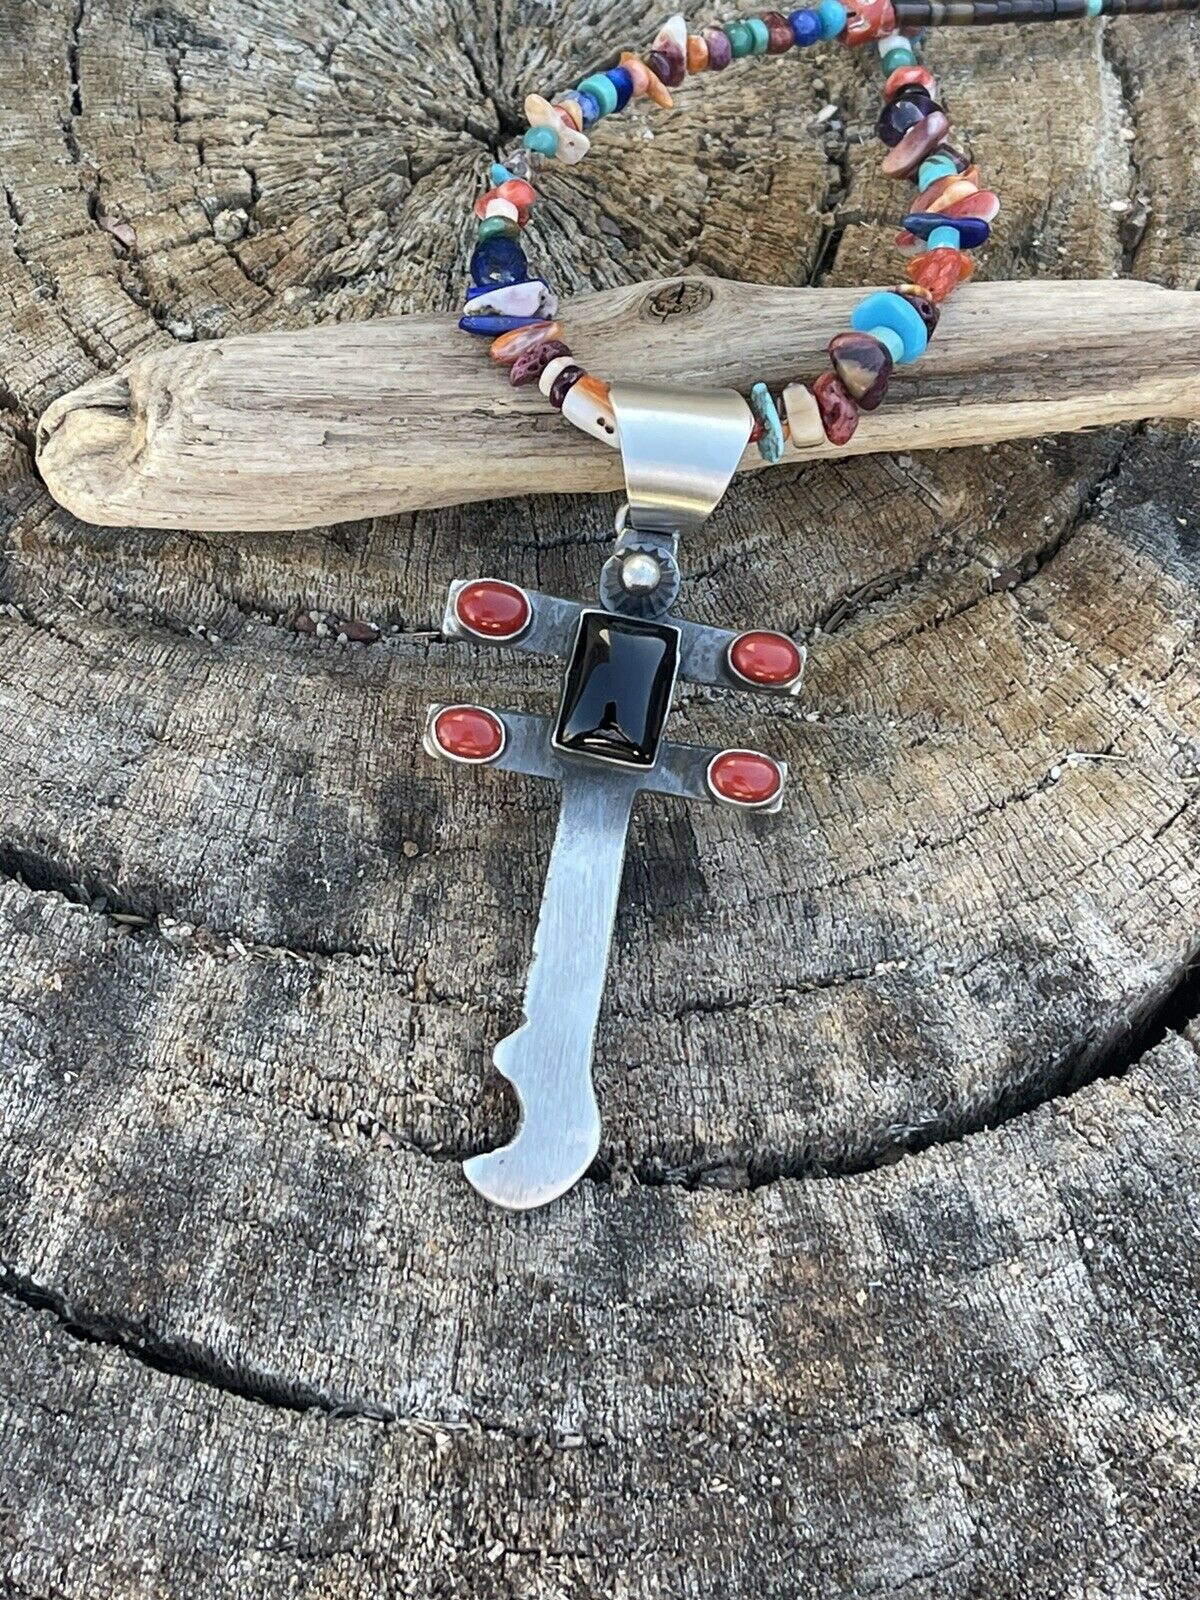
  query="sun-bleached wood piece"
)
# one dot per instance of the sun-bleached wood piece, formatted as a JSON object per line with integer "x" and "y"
{"x": 301, "y": 428}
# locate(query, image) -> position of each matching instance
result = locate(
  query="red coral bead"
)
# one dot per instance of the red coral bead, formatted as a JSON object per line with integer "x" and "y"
{"x": 744, "y": 777}
{"x": 940, "y": 271}
{"x": 492, "y": 609}
{"x": 770, "y": 660}
{"x": 468, "y": 733}
{"x": 868, "y": 19}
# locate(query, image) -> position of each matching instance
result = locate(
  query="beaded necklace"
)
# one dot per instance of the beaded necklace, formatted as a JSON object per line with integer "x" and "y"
{"x": 951, "y": 217}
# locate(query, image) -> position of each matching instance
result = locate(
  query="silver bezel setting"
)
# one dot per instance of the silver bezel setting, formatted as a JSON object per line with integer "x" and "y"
{"x": 466, "y": 629}
{"x": 772, "y": 803}
{"x": 788, "y": 686}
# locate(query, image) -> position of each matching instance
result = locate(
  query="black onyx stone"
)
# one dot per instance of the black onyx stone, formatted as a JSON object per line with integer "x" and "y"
{"x": 618, "y": 687}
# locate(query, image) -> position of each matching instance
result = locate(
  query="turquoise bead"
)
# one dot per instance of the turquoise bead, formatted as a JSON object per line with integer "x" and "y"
{"x": 762, "y": 35}
{"x": 499, "y": 174}
{"x": 603, "y": 89}
{"x": 770, "y": 446}
{"x": 890, "y": 340}
{"x": 901, "y": 56}
{"x": 1093, "y": 7}
{"x": 934, "y": 168}
{"x": 543, "y": 140}
{"x": 944, "y": 238}
{"x": 885, "y": 309}
{"x": 833, "y": 18}
{"x": 741, "y": 40}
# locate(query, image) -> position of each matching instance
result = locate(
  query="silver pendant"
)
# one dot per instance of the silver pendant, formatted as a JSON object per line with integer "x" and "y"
{"x": 604, "y": 746}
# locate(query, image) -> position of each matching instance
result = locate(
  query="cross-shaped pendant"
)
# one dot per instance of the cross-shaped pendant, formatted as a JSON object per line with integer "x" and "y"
{"x": 604, "y": 746}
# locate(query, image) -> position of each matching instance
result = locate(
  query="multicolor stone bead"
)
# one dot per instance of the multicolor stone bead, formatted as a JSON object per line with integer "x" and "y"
{"x": 839, "y": 414}
{"x": 864, "y": 365}
{"x": 770, "y": 442}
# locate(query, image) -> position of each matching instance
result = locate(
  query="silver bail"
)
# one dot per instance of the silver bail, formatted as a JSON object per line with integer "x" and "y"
{"x": 679, "y": 448}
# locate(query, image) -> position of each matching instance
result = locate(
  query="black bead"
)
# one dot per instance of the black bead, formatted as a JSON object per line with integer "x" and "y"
{"x": 617, "y": 691}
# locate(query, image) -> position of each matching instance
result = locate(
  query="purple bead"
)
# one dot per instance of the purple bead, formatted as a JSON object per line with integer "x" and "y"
{"x": 622, "y": 82}
{"x": 498, "y": 261}
{"x": 903, "y": 113}
{"x": 720, "y": 51}
{"x": 972, "y": 231}
{"x": 806, "y": 27}
{"x": 558, "y": 389}
{"x": 669, "y": 68}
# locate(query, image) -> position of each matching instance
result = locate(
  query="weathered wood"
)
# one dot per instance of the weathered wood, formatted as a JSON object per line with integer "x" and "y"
{"x": 292, "y": 430}
{"x": 257, "y": 949}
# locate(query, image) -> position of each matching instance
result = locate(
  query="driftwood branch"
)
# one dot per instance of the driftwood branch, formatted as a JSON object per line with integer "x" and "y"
{"x": 297, "y": 429}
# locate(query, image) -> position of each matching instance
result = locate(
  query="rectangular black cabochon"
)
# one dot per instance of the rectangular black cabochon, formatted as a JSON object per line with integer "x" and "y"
{"x": 617, "y": 692}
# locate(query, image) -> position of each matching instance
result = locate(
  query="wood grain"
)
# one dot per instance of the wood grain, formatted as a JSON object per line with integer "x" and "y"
{"x": 276, "y": 431}
{"x": 884, "y": 1286}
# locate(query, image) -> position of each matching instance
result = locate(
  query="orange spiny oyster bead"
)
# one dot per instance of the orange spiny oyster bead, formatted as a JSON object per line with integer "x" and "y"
{"x": 572, "y": 110}
{"x": 697, "y": 53}
{"x": 639, "y": 75}
{"x": 940, "y": 271}
{"x": 507, "y": 347}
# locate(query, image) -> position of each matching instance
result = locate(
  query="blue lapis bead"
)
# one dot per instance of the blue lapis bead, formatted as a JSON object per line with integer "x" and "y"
{"x": 972, "y": 231}
{"x": 498, "y": 261}
{"x": 491, "y": 324}
{"x": 622, "y": 81}
{"x": 806, "y": 27}
{"x": 886, "y": 309}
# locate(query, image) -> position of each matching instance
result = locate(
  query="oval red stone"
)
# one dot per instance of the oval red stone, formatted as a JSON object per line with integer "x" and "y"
{"x": 492, "y": 609}
{"x": 769, "y": 659}
{"x": 468, "y": 733}
{"x": 745, "y": 777}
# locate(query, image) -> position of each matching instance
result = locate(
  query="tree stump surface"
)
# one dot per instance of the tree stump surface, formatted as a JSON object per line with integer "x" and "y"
{"x": 885, "y": 1283}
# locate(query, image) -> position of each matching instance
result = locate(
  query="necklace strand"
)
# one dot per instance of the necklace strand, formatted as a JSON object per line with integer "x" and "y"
{"x": 951, "y": 217}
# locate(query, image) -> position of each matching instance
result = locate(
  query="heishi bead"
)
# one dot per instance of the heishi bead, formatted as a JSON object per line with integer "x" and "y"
{"x": 543, "y": 140}
{"x": 839, "y": 414}
{"x": 498, "y": 261}
{"x": 599, "y": 86}
{"x": 886, "y": 309}
{"x": 891, "y": 340}
{"x": 509, "y": 346}
{"x": 622, "y": 82}
{"x": 499, "y": 174}
{"x": 527, "y": 368}
{"x": 901, "y": 56}
{"x": 770, "y": 445}
{"x": 719, "y": 52}
{"x": 502, "y": 208}
{"x": 552, "y": 369}
{"x": 833, "y": 18}
{"x": 761, "y": 34}
{"x": 779, "y": 32}
{"x": 498, "y": 228}
{"x": 805, "y": 428}
{"x": 933, "y": 168}
{"x": 906, "y": 157}
{"x": 806, "y": 26}
{"x": 939, "y": 272}
{"x": 915, "y": 77}
{"x": 587, "y": 406}
{"x": 864, "y": 366}
{"x": 697, "y": 53}
{"x": 561, "y": 386}
{"x": 867, "y": 20}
